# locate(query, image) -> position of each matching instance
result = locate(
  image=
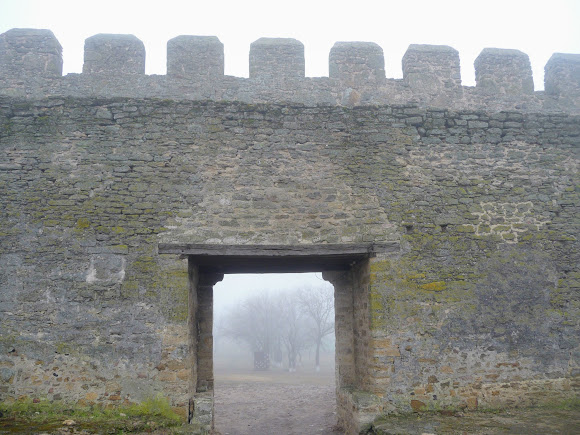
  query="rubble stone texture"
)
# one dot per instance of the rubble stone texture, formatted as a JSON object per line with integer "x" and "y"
{"x": 477, "y": 186}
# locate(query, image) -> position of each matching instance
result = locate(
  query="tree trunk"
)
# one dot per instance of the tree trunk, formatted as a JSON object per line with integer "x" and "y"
{"x": 291, "y": 361}
{"x": 318, "y": 355}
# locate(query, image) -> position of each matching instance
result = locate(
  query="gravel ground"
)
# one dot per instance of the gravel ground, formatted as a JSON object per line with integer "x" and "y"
{"x": 275, "y": 402}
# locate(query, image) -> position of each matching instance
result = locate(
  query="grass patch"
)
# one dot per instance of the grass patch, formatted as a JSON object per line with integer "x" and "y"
{"x": 155, "y": 407}
{"x": 44, "y": 415}
{"x": 571, "y": 404}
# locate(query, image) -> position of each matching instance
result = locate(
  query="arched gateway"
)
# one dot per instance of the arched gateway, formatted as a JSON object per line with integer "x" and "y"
{"x": 445, "y": 216}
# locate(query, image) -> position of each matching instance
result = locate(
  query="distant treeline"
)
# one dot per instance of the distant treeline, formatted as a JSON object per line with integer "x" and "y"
{"x": 278, "y": 325}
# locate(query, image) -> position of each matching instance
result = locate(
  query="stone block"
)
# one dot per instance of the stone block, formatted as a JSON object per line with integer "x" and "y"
{"x": 472, "y": 403}
{"x": 167, "y": 377}
{"x": 277, "y": 58}
{"x": 92, "y": 396}
{"x": 114, "y": 54}
{"x": 203, "y": 409}
{"x": 195, "y": 57}
{"x": 30, "y": 53}
{"x": 503, "y": 71}
{"x": 106, "y": 269}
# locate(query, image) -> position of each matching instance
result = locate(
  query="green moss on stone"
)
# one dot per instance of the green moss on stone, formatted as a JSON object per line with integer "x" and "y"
{"x": 435, "y": 286}
{"x": 83, "y": 223}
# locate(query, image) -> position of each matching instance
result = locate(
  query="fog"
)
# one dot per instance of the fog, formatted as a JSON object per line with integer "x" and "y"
{"x": 237, "y": 287}
{"x": 279, "y": 315}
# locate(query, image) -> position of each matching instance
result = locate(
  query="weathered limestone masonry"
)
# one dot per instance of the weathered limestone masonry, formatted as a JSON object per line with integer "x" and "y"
{"x": 106, "y": 175}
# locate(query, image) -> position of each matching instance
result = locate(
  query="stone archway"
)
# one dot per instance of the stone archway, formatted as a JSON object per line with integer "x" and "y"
{"x": 346, "y": 267}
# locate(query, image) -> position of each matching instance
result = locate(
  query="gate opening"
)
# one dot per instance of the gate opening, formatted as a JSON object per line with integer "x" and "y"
{"x": 346, "y": 267}
{"x": 274, "y": 353}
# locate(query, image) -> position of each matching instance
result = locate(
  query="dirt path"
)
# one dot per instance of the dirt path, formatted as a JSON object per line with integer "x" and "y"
{"x": 275, "y": 403}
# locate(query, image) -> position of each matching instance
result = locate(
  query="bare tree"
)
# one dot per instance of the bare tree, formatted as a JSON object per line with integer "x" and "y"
{"x": 255, "y": 322}
{"x": 292, "y": 320}
{"x": 318, "y": 305}
{"x": 293, "y": 328}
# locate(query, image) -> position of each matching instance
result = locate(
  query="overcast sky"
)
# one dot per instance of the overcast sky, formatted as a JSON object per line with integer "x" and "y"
{"x": 538, "y": 28}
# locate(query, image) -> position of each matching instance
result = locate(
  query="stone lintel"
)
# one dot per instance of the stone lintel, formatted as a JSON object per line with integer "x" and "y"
{"x": 276, "y": 258}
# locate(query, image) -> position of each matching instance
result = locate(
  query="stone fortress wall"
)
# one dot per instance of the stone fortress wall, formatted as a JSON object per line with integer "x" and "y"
{"x": 477, "y": 187}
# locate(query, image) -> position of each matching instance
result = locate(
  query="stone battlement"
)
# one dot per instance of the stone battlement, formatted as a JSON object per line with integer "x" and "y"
{"x": 114, "y": 66}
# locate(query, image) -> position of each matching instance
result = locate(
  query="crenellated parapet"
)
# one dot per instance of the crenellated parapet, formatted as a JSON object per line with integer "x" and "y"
{"x": 562, "y": 76}
{"x": 114, "y": 66}
{"x": 500, "y": 71}
{"x": 114, "y": 54}
{"x": 196, "y": 58}
{"x": 356, "y": 63}
{"x": 277, "y": 58}
{"x": 432, "y": 69}
{"x": 30, "y": 53}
